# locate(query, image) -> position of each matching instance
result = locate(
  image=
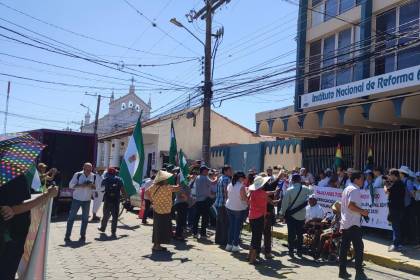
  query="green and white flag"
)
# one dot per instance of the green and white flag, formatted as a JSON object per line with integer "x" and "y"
{"x": 33, "y": 179}
{"x": 131, "y": 169}
{"x": 184, "y": 168}
{"x": 173, "y": 149}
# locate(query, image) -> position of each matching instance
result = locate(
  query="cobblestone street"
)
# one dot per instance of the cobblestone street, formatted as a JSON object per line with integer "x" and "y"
{"x": 130, "y": 257}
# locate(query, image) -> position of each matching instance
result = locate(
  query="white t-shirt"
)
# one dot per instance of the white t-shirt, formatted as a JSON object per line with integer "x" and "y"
{"x": 234, "y": 201}
{"x": 79, "y": 178}
{"x": 324, "y": 182}
{"x": 348, "y": 217}
{"x": 314, "y": 212}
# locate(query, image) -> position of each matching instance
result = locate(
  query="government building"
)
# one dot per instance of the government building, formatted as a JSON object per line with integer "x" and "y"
{"x": 357, "y": 86}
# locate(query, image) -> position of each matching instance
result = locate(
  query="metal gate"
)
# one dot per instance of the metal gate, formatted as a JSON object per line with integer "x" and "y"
{"x": 319, "y": 153}
{"x": 391, "y": 149}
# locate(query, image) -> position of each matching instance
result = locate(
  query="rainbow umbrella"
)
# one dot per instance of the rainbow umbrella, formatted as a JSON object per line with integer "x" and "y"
{"x": 17, "y": 154}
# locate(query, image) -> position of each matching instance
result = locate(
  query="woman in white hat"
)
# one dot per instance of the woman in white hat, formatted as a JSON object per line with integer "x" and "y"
{"x": 408, "y": 222}
{"x": 258, "y": 200}
{"x": 161, "y": 196}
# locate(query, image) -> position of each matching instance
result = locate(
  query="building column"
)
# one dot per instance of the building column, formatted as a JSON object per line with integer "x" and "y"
{"x": 107, "y": 150}
{"x": 115, "y": 153}
{"x": 301, "y": 52}
{"x": 99, "y": 154}
{"x": 366, "y": 35}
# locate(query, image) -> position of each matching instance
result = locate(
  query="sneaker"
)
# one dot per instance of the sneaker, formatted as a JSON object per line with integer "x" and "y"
{"x": 101, "y": 229}
{"x": 67, "y": 240}
{"x": 400, "y": 248}
{"x": 229, "y": 248}
{"x": 82, "y": 239}
{"x": 392, "y": 248}
{"x": 344, "y": 275}
{"x": 236, "y": 249}
{"x": 114, "y": 236}
{"x": 95, "y": 219}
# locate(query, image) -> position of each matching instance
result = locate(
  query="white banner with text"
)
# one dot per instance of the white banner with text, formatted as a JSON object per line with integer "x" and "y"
{"x": 378, "y": 210}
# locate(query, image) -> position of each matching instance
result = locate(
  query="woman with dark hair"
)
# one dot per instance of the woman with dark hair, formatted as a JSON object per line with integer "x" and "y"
{"x": 161, "y": 196}
{"x": 236, "y": 203}
{"x": 258, "y": 200}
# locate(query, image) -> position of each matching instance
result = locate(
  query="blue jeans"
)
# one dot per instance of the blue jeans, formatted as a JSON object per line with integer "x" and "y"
{"x": 235, "y": 224}
{"x": 75, "y": 205}
{"x": 396, "y": 220}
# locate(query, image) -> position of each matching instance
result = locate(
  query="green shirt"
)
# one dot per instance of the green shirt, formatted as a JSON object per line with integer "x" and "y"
{"x": 289, "y": 197}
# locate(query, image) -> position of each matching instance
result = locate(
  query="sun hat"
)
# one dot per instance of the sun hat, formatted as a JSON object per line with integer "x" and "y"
{"x": 203, "y": 167}
{"x": 162, "y": 176}
{"x": 259, "y": 182}
{"x": 406, "y": 170}
{"x": 312, "y": 196}
{"x": 335, "y": 205}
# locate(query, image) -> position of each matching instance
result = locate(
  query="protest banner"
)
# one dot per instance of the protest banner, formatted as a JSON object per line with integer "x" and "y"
{"x": 378, "y": 211}
{"x": 34, "y": 259}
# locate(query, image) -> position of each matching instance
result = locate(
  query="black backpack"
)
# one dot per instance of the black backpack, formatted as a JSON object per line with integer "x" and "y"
{"x": 112, "y": 188}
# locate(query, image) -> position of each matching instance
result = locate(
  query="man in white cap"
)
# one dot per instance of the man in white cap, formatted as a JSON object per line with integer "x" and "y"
{"x": 324, "y": 182}
{"x": 313, "y": 211}
{"x": 408, "y": 223}
{"x": 417, "y": 203}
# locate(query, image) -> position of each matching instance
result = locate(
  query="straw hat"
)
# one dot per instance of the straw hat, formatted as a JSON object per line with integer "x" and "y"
{"x": 259, "y": 182}
{"x": 336, "y": 205}
{"x": 162, "y": 176}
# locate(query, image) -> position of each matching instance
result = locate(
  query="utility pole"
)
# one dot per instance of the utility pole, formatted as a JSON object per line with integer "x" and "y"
{"x": 6, "y": 112}
{"x": 206, "y": 13}
{"x": 95, "y": 127}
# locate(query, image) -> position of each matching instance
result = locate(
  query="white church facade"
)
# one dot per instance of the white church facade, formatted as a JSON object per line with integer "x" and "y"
{"x": 123, "y": 112}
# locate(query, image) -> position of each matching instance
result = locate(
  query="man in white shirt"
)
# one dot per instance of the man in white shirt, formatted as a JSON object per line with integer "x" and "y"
{"x": 313, "y": 211}
{"x": 98, "y": 196}
{"x": 378, "y": 183}
{"x": 84, "y": 183}
{"x": 324, "y": 182}
{"x": 351, "y": 214}
{"x": 307, "y": 178}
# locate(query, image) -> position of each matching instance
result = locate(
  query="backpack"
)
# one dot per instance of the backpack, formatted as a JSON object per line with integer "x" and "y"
{"x": 112, "y": 188}
{"x": 80, "y": 174}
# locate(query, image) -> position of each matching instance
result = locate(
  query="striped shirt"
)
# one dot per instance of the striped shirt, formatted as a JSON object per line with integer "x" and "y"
{"x": 222, "y": 184}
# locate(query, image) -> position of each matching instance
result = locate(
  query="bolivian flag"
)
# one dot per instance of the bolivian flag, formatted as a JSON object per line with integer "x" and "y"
{"x": 339, "y": 157}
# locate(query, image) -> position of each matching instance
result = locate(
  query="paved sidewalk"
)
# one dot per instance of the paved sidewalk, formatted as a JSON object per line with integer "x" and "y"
{"x": 376, "y": 251}
{"x": 130, "y": 257}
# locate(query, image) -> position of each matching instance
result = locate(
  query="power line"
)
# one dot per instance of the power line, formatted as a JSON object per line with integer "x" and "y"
{"x": 154, "y": 24}
{"x": 86, "y": 36}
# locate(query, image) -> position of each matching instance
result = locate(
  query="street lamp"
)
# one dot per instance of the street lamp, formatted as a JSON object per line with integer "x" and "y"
{"x": 84, "y": 106}
{"x": 175, "y": 22}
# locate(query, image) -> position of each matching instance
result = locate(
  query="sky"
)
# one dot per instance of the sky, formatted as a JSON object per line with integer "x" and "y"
{"x": 254, "y": 32}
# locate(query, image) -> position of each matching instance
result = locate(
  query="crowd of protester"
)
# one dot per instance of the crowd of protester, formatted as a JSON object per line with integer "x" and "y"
{"x": 233, "y": 198}
{"x": 226, "y": 200}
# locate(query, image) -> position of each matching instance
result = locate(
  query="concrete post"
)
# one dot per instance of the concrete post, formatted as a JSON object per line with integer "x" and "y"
{"x": 115, "y": 153}
{"x": 107, "y": 150}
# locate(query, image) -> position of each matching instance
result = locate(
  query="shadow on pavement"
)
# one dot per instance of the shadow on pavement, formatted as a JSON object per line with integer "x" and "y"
{"x": 164, "y": 257}
{"x": 104, "y": 237}
{"x": 182, "y": 246}
{"x": 128, "y": 227}
{"x": 270, "y": 268}
{"x": 74, "y": 244}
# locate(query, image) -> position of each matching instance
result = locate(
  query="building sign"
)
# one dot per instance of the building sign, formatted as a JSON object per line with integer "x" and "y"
{"x": 405, "y": 78}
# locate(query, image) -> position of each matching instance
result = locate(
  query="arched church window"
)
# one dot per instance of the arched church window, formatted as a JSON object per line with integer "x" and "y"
{"x": 137, "y": 107}
{"x": 123, "y": 106}
{"x": 130, "y": 104}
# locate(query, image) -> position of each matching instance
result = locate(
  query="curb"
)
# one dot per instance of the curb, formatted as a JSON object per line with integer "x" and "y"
{"x": 408, "y": 267}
